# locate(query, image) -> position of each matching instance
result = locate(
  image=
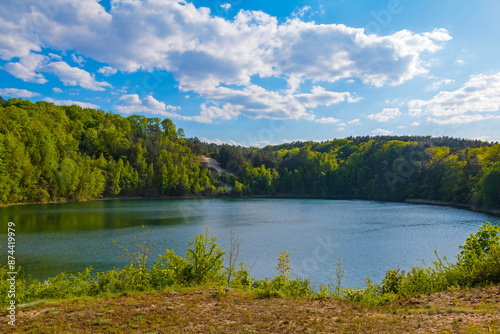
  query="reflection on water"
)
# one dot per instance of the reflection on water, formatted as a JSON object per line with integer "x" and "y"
{"x": 371, "y": 237}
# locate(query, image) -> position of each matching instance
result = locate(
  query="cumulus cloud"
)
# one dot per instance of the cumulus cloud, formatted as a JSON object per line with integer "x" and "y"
{"x": 320, "y": 96}
{"x": 226, "y": 6}
{"x": 327, "y": 120}
{"x": 73, "y": 76}
{"x": 219, "y": 141}
{"x": 298, "y": 140}
{"x": 381, "y": 132}
{"x": 481, "y": 94}
{"x": 15, "y": 39}
{"x": 107, "y": 70}
{"x": 217, "y": 58}
{"x": 256, "y": 102}
{"x": 354, "y": 122}
{"x": 78, "y": 59}
{"x": 301, "y": 11}
{"x": 132, "y": 104}
{"x": 14, "y": 92}
{"x": 70, "y": 102}
{"x": 385, "y": 115}
{"x": 438, "y": 84}
{"x": 57, "y": 90}
{"x": 27, "y": 67}
{"x": 54, "y": 56}
{"x": 460, "y": 119}
{"x": 208, "y": 114}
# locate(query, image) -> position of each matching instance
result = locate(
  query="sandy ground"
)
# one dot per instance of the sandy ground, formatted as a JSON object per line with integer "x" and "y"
{"x": 211, "y": 163}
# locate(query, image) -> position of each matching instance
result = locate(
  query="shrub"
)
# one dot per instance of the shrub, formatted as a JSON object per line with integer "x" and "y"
{"x": 204, "y": 260}
{"x": 281, "y": 285}
{"x": 479, "y": 260}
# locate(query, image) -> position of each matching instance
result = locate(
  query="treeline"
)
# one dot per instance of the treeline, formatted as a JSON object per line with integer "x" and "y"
{"x": 379, "y": 168}
{"x": 57, "y": 153}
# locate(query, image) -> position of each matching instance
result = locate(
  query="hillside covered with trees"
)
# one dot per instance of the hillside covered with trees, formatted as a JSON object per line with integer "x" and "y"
{"x": 380, "y": 168}
{"x": 58, "y": 153}
{"x": 67, "y": 153}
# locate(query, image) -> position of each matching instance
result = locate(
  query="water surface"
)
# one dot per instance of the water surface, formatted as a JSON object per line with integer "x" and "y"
{"x": 371, "y": 237}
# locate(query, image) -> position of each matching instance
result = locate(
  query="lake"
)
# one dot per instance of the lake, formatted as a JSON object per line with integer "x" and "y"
{"x": 371, "y": 237}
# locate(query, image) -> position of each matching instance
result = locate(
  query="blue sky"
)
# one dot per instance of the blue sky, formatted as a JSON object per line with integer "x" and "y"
{"x": 264, "y": 72}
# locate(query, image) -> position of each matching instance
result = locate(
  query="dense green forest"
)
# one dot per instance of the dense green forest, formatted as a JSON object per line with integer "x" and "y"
{"x": 380, "y": 168}
{"x": 54, "y": 153}
{"x": 57, "y": 153}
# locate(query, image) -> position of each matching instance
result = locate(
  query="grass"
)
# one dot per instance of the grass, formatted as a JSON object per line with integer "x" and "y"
{"x": 205, "y": 310}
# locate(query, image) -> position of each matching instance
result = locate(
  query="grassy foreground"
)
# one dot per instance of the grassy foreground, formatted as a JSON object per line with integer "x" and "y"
{"x": 231, "y": 311}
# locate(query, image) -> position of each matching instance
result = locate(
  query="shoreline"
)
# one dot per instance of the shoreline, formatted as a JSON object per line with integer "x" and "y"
{"x": 464, "y": 206}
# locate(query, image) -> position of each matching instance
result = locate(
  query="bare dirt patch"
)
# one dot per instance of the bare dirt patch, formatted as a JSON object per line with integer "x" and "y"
{"x": 208, "y": 311}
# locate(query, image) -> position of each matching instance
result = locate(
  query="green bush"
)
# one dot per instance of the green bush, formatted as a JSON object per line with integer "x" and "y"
{"x": 242, "y": 279}
{"x": 204, "y": 260}
{"x": 282, "y": 285}
{"x": 479, "y": 260}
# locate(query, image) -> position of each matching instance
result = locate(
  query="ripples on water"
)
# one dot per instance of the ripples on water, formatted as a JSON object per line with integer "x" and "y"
{"x": 371, "y": 237}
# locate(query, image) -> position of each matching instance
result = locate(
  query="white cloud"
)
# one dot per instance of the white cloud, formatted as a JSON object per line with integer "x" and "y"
{"x": 301, "y": 11}
{"x": 415, "y": 112}
{"x": 381, "y": 132}
{"x": 107, "y": 70}
{"x": 226, "y": 6}
{"x": 15, "y": 39}
{"x": 297, "y": 140}
{"x": 73, "y": 76}
{"x": 385, "y": 115}
{"x": 319, "y": 96}
{"x": 483, "y": 138}
{"x": 207, "y": 54}
{"x": 354, "y": 122}
{"x": 57, "y": 90}
{"x": 438, "y": 84}
{"x": 220, "y": 142}
{"x": 210, "y": 113}
{"x": 460, "y": 62}
{"x": 132, "y": 104}
{"x": 327, "y": 120}
{"x": 78, "y": 59}
{"x": 460, "y": 119}
{"x": 14, "y": 92}
{"x": 256, "y": 102}
{"x": 293, "y": 84}
{"x": 438, "y": 35}
{"x": 415, "y": 124}
{"x": 54, "y": 56}
{"x": 481, "y": 94}
{"x": 70, "y": 102}
{"x": 27, "y": 67}
{"x": 261, "y": 143}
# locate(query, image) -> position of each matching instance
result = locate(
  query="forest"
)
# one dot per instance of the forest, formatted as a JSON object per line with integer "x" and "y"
{"x": 69, "y": 153}
{"x": 385, "y": 168}
{"x": 66, "y": 153}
